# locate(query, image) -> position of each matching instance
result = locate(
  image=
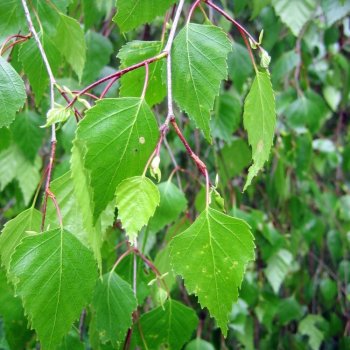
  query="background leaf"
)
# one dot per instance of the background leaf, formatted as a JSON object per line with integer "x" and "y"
{"x": 169, "y": 327}
{"x": 172, "y": 203}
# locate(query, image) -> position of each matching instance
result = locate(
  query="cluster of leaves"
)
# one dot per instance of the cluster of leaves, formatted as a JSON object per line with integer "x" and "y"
{"x": 109, "y": 245}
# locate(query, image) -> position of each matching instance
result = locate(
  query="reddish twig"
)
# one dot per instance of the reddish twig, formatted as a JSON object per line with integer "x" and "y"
{"x": 108, "y": 86}
{"x": 145, "y": 85}
{"x": 22, "y": 38}
{"x": 76, "y": 112}
{"x": 228, "y": 17}
{"x": 118, "y": 74}
{"x": 152, "y": 267}
{"x": 244, "y": 33}
{"x": 199, "y": 163}
{"x": 193, "y": 7}
{"x": 88, "y": 94}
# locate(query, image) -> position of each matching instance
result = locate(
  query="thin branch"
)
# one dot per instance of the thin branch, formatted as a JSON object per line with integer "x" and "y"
{"x": 144, "y": 90}
{"x": 5, "y": 46}
{"x": 88, "y": 94}
{"x": 42, "y": 53}
{"x": 193, "y": 7}
{"x": 107, "y": 88}
{"x": 52, "y": 104}
{"x": 47, "y": 184}
{"x": 152, "y": 267}
{"x": 172, "y": 157}
{"x": 166, "y": 19}
{"x": 170, "y": 91}
{"x": 244, "y": 33}
{"x": 199, "y": 163}
{"x": 299, "y": 65}
{"x": 174, "y": 26}
{"x": 126, "y": 253}
{"x": 134, "y": 278}
{"x": 167, "y": 49}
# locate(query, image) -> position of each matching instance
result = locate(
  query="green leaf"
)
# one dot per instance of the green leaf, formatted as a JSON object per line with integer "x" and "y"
{"x": 294, "y": 13}
{"x": 58, "y": 114}
{"x": 334, "y": 10}
{"x": 230, "y": 167}
{"x": 63, "y": 188}
{"x": 240, "y": 67}
{"x": 12, "y": 93}
{"x": 211, "y": 255}
{"x": 284, "y": 65}
{"x": 278, "y": 266}
{"x": 169, "y": 326}
{"x": 64, "y": 270}
{"x": 15, "y": 230}
{"x": 172, "y": 203}
{"x": 308, "y": 110}
{"x": 132, "y": 13}
{"x": 133, "y": 82}
{"x": 113, "y": 304}
{"x": 12, "y": 314}
{"x": 125, "y": 127}
{"x": 99, "y": 50}
{"x": 5, "y": 138}
{"x": 288, "y": 310}
{"x": 14, "y": 165}
{"x": 70, "y": 41}
{"x": 137, "y": 199}
{"x": 308, "y": 327}
{"x": 199, "y": 64}
{"x": 34, "y": 66}
{"x": 227, "y": 116}
{"x": 329, "y": 289}
{"x": 27, "y": 133}
{"x": 84, "y": 201}
{"x": 71, "y": 341}
{"x": 11, "y": 18}
{"x": 259, "y": 120}
{"x": 199, "y": 344}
